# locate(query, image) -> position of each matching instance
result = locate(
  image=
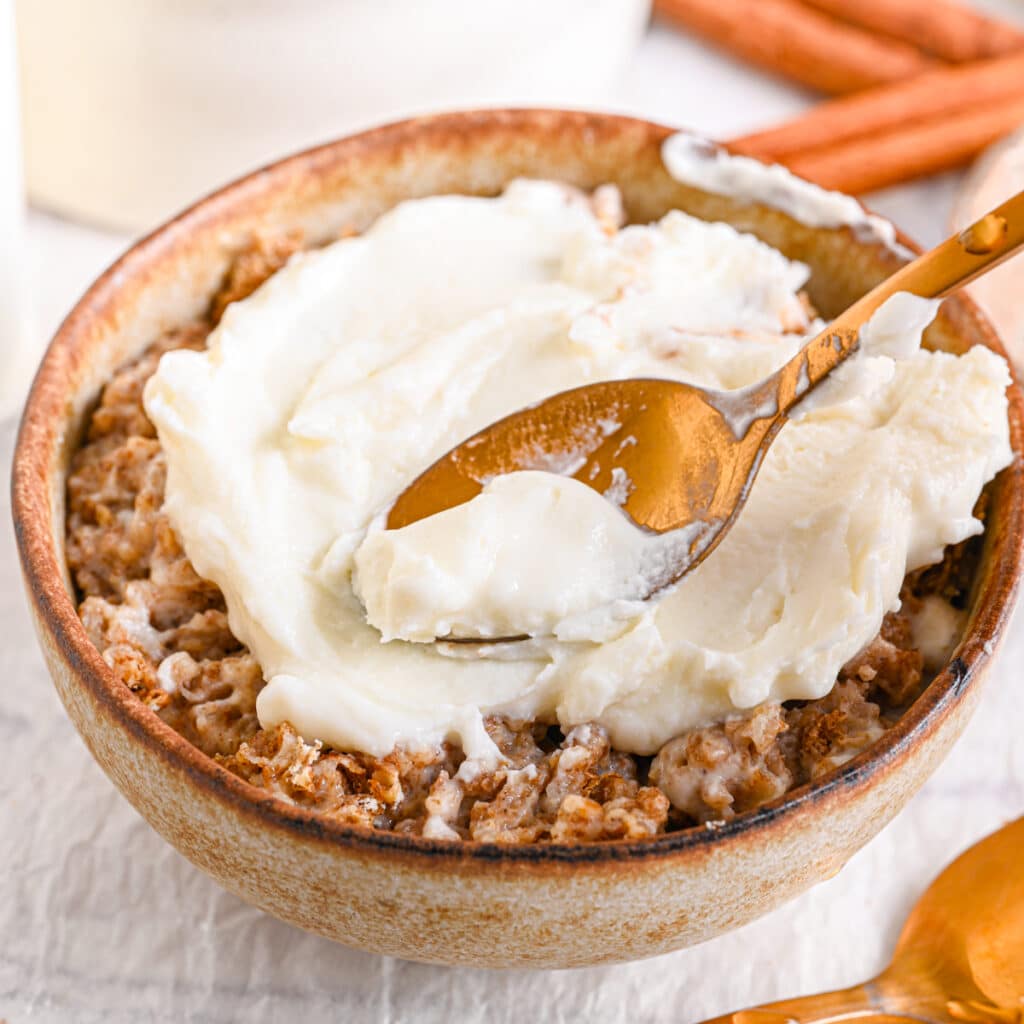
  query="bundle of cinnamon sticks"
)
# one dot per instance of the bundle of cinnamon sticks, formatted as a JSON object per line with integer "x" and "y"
{"x": 922, "y": 85}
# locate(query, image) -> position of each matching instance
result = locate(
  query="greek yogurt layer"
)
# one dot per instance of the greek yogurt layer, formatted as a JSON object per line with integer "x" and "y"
{"x": 543, "y": 555}
{"x": 351, "y": 370}
{"x": 694, "y": 160}
{"x": 534, "y": 554}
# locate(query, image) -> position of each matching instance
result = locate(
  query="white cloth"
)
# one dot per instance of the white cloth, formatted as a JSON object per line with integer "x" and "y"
{"x": 101, "y": 920}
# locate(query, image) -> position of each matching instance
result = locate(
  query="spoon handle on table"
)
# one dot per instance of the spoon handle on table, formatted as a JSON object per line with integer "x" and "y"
{"x": 937, "y": 273}
{"x": 874, "y": 1002}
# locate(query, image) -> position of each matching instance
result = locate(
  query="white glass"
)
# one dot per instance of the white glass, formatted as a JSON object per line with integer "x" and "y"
{"x": 134, "y": 108}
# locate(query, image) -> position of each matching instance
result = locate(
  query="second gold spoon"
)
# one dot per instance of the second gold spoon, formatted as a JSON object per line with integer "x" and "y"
{"x": 690, "y": 455}
{"x": 959, "y": 959}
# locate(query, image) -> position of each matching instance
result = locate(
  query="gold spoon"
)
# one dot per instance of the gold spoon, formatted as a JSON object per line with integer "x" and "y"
{"x": 690, "y": 456}
{"x": 960, "y": 956}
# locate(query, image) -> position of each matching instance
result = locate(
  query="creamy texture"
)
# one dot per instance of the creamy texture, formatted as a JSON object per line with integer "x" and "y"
{"x": 534, "y": 554}
{"x": 541, "y": 555}
{"x": 694, "y": 160}
{"x": 937, "y": 626}
{"x": 355, "y": 367}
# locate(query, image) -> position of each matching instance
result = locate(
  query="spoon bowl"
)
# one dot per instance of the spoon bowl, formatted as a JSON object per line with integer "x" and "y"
{"x": 967, "y": 932}
{"x": 695, "y": 477}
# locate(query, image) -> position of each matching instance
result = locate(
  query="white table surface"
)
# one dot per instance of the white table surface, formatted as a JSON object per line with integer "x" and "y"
{"x": 100, "y": 920}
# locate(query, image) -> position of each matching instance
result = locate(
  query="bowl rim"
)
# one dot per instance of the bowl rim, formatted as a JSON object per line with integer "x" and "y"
{"x": 55, "y": 612}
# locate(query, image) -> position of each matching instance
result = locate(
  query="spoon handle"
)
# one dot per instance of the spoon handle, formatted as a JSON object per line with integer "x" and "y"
{"x": 874, "y": 1002}
{"x": 937, "y": 273}
{"x": 949, "y": 266}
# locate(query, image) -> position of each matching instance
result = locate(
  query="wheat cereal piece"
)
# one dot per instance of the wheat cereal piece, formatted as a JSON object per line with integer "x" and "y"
{"x": 891, "y": 664}
{"x": 713, "y": 774}
{"x": 264, "y": 256}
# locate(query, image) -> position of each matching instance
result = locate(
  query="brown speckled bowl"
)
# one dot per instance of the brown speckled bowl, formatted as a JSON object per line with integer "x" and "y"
{"x": 546, "y": 906}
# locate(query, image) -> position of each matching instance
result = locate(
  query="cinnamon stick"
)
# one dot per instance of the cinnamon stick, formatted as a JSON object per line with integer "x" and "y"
{"x": 951, "y": 31}
{"x": 936, "y": 93}
{"x": 908, "y": 151}
{"x": 792, "y": 39}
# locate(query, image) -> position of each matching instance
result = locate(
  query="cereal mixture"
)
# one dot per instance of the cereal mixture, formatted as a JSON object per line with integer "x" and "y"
{"x": 163, "y": 630}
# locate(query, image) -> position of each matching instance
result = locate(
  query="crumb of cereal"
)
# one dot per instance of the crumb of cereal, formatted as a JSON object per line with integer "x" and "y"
{"x": 265, "y": 255}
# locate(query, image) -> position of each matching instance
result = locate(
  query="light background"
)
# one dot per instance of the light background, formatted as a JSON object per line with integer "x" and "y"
{"x": 100, "y": 920}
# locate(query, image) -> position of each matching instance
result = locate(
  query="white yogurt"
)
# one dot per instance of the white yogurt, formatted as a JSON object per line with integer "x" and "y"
{"x": 936, "y": 626}
{"x": 534, "y": 554}
{"x": 694, "y": 160}
{"x": 326, "y": 392}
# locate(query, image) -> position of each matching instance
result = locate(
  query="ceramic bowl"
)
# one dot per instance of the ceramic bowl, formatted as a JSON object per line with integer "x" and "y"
{"x": 467, "y": 903}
